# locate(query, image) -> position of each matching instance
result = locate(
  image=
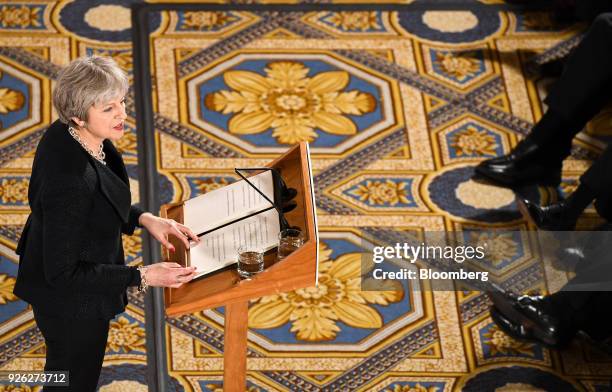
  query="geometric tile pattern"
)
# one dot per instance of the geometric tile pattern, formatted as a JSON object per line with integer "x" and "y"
{"x": 398, "y": 106}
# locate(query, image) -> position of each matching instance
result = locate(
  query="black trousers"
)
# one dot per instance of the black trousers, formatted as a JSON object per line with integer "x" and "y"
{"x": 584, "y": 310}
{"x": 582, "y": 91}
{"x": 76, "y": 346}
{"x": 584, "y": 301}
{"x": 587, "y": 10}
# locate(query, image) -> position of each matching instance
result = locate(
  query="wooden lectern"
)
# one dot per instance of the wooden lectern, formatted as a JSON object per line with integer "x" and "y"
{"x": 225, "y": 288}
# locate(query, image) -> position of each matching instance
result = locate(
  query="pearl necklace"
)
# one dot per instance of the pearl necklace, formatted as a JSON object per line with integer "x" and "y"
{"x": 99, "y": 156}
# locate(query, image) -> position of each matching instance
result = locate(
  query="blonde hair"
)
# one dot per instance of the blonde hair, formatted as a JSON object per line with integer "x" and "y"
{"x": 85, "y": 82}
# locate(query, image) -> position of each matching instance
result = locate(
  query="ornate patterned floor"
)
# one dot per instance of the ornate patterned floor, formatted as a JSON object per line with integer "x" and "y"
{"x": 398, "y": 107}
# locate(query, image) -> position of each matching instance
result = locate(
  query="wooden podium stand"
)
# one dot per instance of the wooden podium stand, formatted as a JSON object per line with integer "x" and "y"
{"x": 225, "y": 288}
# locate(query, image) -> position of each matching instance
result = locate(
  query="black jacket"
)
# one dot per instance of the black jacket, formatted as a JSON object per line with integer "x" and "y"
{"x": 71, "y": 255}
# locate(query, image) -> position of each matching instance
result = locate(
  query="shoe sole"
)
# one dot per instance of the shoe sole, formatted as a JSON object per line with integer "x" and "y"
{"x": 525, "y": 212}
{"x": 500, "y": 301}
{"x": 495, "y": 179}
{"x": 497, "y": 315}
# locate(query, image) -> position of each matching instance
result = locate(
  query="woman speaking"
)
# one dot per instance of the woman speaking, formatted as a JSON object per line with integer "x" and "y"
{"x": 72, "y": 268}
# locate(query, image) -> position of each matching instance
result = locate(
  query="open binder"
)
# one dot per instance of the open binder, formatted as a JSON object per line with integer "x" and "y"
{"x": 245, "y": 212}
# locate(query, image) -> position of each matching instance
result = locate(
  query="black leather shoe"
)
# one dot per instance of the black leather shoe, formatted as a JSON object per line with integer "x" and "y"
{"x": 554, "y": 217}
{"x": 522, "y": 166}
{"x": 528, "y": 317}
{"x": 512, "y": 329}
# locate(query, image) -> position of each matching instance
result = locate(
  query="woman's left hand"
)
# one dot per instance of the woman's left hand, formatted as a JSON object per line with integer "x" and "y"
{"x": 161, "y": 228}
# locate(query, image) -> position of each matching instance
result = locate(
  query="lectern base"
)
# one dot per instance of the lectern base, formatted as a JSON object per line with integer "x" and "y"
{"x": 235, "y": 347}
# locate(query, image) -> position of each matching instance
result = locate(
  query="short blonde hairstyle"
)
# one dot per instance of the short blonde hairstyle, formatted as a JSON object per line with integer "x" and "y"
{"x": 84, "y": 82}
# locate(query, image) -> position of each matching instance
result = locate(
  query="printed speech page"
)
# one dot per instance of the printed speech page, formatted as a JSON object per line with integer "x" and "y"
{"x": 224, "y": 205}
{"x": 220, "y": 247}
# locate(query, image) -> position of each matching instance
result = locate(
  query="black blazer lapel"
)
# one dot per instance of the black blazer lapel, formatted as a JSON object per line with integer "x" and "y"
{"x": 115, "y": 162}
{"x": 116, "y": 191}
{"x": 114, "y": 185}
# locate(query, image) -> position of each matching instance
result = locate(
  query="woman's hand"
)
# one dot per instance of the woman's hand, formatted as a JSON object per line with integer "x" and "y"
{"x": 166, "y": 274}
{"x": 161, "y": 228}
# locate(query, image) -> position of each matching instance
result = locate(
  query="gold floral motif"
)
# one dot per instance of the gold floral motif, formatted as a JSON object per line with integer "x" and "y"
{"x": 382, "y": 192}
{"x": 471, "y": 141}
{"x": 205, "y": 20}
{"x": 6, "y": 289}
{"x": 125, "y": 336}
{"x": 19, "y": 16}
{"x": 210, "y": 184}
{"x": 458, "y": 65}
{"x": 500, "y": 343}
{"x": 499, "y": 247}
{"x": 416, "y": 388}
{"x": 132, "y": 244}
{"x": 127, "y": 143}
{"x": 363, "y": 21}
{"x": 290, "y": 102}
{"x": 314, "y": 311}
{"x": 13, "y": 190}
{"x": 10, "y": 100}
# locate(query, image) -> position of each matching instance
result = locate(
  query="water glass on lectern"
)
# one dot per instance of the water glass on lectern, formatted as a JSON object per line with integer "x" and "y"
{"x": 288, "y": 241}
{"x": 250, "y": 261}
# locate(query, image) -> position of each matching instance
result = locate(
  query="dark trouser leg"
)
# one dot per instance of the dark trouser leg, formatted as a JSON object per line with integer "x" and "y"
{"x": 569, "y": 307}
{"x": 594, "y": 321}
{"x": 587, "y": 10}
{"x": 599, "y": 178}
{"x": 580, "y": 93}
{"x": 579, "y": 306}
{"x": 584, "y": 310}
{"x": 74, "y": 345}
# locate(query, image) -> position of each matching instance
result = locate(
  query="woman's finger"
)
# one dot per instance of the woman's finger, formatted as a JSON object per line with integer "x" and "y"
{"x": 165, "y": 243}
{"x": 177, "y": 233}
{"x": 189, "y": 277}
{"x": 180, "y": 280}
{"x": 183, "y": 273}
{"x": 188, "y": 232}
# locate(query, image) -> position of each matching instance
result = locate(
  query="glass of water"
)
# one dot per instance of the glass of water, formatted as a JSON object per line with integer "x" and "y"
{"x": 288, "y": 241}
{"x": 250, "y": 261}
